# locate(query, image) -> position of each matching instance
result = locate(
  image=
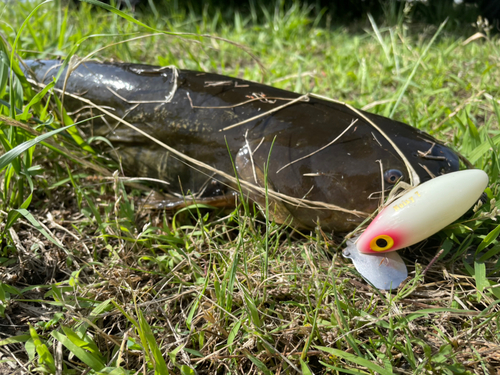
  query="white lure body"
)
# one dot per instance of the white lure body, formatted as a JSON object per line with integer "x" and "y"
{"x": 423, "y": 211}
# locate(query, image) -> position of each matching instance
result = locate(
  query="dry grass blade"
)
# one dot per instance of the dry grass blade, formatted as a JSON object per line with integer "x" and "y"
{"x": 225, "y": 40}
{"x": 303, "y": 98}
{"x": 320, "y": 149}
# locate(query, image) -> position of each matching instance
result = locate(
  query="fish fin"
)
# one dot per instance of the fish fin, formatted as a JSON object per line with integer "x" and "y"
{"x": 172, "y": 202}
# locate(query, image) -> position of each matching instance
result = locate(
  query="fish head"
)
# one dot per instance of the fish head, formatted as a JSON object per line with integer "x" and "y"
{"x": 327, "y": 152}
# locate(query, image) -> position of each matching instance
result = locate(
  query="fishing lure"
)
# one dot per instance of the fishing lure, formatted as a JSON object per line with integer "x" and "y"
{"x": 416, "y": 215}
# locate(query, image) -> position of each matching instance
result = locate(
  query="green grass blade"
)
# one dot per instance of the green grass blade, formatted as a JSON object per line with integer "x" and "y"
{"x": 259, "y": 364}
{"x": 89, "y": 359}
{"x": 482, "y": 149}
{"x": 160, "y": 365}
{"x": 495, "y": 250}
{"x": 4, "y": 71}
{"x": 13, "y": 96}
{"x": 412, "y": 74}
{"x": 123, "y": 15}
{"x": 355, "y": 359}
{"x": 305, "y": 368}
{"x": 232, "y": 335}
{"x": 380, "y": 39}
{"x": 73, "y": 131}
{"x": 480, "y": 277}
{"x": 62, "y": 29}
{"x": 9, "y": 156}
{"x": 194, "y": 307}
{"x": 28, "y": 216}
{"x": 186, "y": 370}
{"x": 426, "y": 312}
{"x": 35, "y": 100}
{"x": 44, "y": 356}
{"x": 252, "y": 309}
{"x": 343, "y": 370}
{"x": 15, "y": 339}
{"x": 75, "y": 339}
{"x": 489, "y": 239}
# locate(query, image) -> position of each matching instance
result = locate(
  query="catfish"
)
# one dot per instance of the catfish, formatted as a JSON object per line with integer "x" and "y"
{"x": 323, "y": 162}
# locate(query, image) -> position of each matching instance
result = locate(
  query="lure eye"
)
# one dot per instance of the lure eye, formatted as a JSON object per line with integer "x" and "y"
{"x": 382, "y": 243}
{"x": 392, "y": 176}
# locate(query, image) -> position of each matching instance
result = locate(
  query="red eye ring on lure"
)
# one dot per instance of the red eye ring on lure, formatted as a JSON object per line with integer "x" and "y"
{"x": 382, "y": 242}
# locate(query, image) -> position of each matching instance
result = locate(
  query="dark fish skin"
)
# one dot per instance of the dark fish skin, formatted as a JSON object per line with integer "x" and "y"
{"x": 345, "y": 173}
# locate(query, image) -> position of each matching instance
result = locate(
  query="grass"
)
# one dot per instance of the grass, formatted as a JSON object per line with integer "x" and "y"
{"x": 91, "y": 283}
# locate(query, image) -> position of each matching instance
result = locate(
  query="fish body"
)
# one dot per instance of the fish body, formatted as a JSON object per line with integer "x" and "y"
{"x": 310, "y": 148}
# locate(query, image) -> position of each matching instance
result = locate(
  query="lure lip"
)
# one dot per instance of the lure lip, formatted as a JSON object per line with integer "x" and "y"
{"x": 423, "y": 211}
{"x": 384, "y": 271}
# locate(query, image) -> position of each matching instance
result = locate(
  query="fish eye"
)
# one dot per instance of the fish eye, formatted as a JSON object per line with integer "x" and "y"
{"x": 382, "y": 243}
{"x": 392, "y": 176}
